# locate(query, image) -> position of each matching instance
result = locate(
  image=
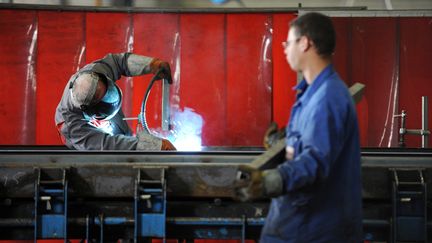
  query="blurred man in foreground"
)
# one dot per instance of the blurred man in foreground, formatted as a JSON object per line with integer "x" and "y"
{"x": 316, "y": 191}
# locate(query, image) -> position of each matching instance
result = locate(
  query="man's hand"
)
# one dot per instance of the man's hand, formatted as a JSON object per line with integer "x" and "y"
{"x": 167, "y": 145}
{"x": 156, "y": 65}
{"x": 149, "y": 142}
{"x": 253, "y": 184}
{"x": 273, "y": 135}
{"x": 249, "y": 183}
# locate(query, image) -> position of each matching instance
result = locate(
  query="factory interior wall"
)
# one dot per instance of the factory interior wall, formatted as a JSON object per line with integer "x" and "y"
{"x": 229, "y": 70}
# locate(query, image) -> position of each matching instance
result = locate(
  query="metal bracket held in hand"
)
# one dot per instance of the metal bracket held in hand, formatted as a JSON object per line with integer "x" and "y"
{"x": 166, "y": 118}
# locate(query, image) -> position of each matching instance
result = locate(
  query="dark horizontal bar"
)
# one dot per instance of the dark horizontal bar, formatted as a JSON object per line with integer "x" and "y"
{"x": 173, "y": 9}
{"x": 215, "y": 221}
{"x": 41, "y": 149}
{"x": 8, "y": 222}
{"x": 378, "y": 223}
{"x": 53, "y": 182}
{"x": 113, "y": 221}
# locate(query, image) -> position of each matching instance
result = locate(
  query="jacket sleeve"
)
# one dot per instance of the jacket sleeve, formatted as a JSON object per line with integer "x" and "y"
{"x": 316, "y": 147}
{"x": 126, "y": 64}
{"x": 82, "y": 136}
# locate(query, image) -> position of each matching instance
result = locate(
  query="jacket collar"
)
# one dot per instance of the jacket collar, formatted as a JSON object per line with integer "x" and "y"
{"x": 305, "y": 91}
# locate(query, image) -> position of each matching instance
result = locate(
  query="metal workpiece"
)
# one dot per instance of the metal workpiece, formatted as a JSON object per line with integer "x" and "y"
{"x": 28, "y": 157}
{"x": 132, "y": 195}
{"x": 196, "y": 175}
{"x": 166, "y": 118}
{"x": 270, "y": 158}
{"x": 275, "y": 154}
{"x": 357, "y": 91}
{"x": 165, "y": 111}
{"x": 110, "y": 180}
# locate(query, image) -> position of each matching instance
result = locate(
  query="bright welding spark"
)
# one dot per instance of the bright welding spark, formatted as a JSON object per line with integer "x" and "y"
{"x": 186, "y": 130}
{"x": 188, "y": 142}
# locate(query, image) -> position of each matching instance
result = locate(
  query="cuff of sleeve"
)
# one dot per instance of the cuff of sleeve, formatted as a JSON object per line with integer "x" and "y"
{"x": 148, "y": 142}
{"x": 138, "y": 65}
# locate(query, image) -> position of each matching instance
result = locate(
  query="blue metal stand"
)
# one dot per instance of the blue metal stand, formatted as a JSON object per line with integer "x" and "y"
{"x": 409, "y": 206}
{"x": 243, "y": 231}
{"x": 89, "y": 227}
{"x": 101, "y": 224}
{"x": 51, "y": 196}
{"x": 150, "y": 204}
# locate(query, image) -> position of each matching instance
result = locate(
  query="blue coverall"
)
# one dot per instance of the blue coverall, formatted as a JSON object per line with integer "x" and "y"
{"x": 322, "y": 184}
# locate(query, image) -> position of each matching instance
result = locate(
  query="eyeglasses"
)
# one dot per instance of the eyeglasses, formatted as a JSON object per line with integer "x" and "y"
{"x": 285, "y": 44}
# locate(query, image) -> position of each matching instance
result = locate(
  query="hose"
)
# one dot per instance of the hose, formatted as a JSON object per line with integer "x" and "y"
{"x": 142, "y": 116}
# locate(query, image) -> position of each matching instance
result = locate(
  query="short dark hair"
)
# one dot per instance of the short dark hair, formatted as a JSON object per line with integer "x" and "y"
{"x": 319, "y": 28}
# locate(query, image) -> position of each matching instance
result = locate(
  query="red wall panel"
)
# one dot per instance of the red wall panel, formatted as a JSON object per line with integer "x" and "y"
{"x": 153, "y": 40}
{"x": 60, "y": 46}
{"x": 415, "y": 72}
{"x": 110, "y": 33}
{"x": 284, "y": 79}
{"x": 342, "y": 61}
{"x": 18, "y": 36}
{"x": 203, "y": 73}
{"x": 248, "y": 78}
{"x": 373, "y": 63}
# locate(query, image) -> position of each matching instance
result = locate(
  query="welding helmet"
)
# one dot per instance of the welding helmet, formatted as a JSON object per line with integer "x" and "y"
{"x": 83, "y": 90}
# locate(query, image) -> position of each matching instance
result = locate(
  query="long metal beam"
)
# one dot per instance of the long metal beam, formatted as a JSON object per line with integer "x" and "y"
{"x": 200, "y": 174}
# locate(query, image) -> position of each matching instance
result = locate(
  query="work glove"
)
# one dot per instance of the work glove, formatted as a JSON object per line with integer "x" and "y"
{"x": 149, "y": 142}
{"x": 253, "y": 184}
{"x": 167, "y": 145}
{"x": 156, "y": 65}
{"x": 273, "y": 135}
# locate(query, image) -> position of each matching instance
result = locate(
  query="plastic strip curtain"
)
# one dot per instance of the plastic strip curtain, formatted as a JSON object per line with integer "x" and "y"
{"x": 60, "y": 52}
{"x": 212, "y": 98}
{"x": 373, "y": 62}
{"x": 229, "y": 71}
{"x": 18, "y": 38}
{"x": 222, "y": 77}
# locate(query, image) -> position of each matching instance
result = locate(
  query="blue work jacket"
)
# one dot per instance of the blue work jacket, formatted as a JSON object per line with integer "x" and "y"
{"x": 322, "y": 183}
